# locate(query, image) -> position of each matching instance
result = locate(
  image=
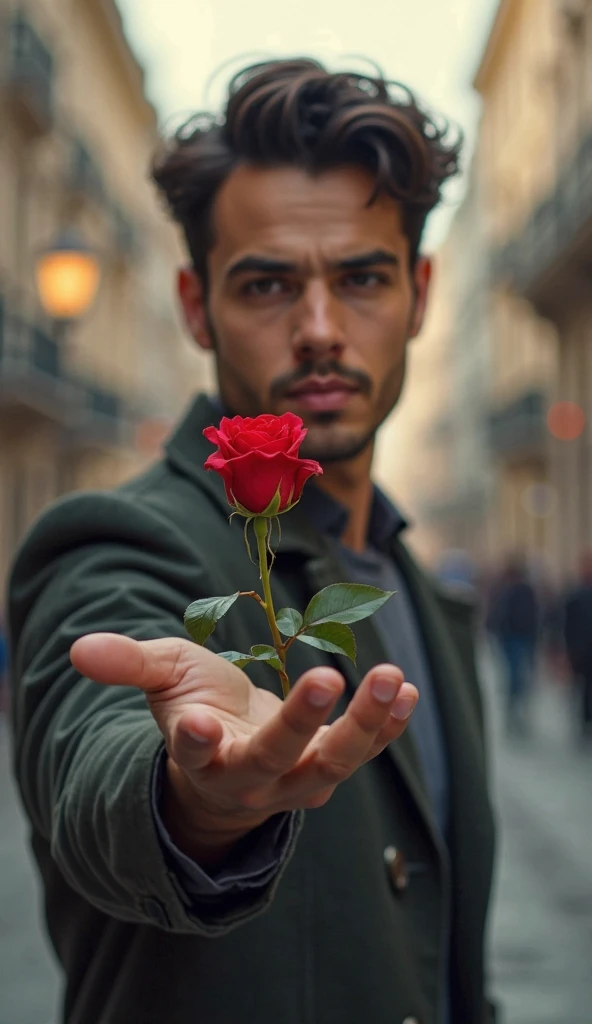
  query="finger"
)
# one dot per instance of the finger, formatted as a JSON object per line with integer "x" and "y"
{"x": 397, "y": 721}
{"x": 348, "y": 741}
{"x": 194, "y": 739}
{"x": 277, "y": 746}
{"x": 151, "y": 665}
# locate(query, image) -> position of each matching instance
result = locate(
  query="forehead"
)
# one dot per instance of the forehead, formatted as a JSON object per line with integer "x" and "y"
{"x": 288, "y": 211}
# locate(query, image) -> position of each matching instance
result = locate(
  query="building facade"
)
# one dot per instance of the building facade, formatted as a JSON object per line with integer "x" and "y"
{"x": 535, "y": 154}
{"x": 433, "y": 453}
{"x": 84, "y": 405}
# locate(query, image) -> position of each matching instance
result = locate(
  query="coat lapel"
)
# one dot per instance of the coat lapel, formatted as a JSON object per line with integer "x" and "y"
{"x": 461, "y": 725}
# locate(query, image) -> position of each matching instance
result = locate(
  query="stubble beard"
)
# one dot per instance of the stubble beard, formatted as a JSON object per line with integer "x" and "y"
{"x": 342, "y": 449}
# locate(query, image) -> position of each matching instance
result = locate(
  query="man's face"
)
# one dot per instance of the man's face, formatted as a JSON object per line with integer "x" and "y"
{"x": 310, "y": 302}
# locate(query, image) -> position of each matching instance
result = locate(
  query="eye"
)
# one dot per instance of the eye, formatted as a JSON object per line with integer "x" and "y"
{"x": 263, "y": 287}
{"x": 365, "y": 279}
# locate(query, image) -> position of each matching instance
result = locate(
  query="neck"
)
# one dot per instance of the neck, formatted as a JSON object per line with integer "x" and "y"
{"x": 349, "y": 483}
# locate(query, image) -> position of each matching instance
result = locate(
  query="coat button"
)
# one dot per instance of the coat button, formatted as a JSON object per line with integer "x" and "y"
{"x": 399, "y": 876}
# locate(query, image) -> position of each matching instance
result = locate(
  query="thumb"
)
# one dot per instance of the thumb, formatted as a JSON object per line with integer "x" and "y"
{"x": 151, "y": 665}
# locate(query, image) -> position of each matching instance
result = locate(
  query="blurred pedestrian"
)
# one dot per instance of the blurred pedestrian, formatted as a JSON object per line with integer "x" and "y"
{"x": 577, "y": 625}
{"x": 514, "y": 619}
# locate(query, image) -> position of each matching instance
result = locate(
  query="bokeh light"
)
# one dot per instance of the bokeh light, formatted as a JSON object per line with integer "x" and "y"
{"x": 566, "y": 421}
{"x": 68, "y": 275}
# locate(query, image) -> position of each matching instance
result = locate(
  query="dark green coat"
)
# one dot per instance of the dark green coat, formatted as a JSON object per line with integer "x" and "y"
{"x": 331, "y": 941}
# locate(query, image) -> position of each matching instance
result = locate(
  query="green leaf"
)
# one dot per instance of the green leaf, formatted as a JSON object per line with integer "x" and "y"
{"x": 236, "y": 658}
{"x": 260, "y": 652}
{"x": 334, "y": 637}
{"x": 289, "y": 621}
{"x": 345, "y": 602}
{"x": 201, "y": 617}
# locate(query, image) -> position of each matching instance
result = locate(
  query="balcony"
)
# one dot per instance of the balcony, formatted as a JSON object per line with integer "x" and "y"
{"x": 518, "y": 431}
{"x": 28, "y": 80}
{"x": 32, "y": 379}
{"x": 101, "y": 418}
{"x": 35, "y": 383}
{"x": 550, "y": 263}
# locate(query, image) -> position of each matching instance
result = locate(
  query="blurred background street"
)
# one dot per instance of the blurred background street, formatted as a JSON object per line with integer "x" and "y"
{"x": 541, "y": 935}
{"x": 489, "y": 452}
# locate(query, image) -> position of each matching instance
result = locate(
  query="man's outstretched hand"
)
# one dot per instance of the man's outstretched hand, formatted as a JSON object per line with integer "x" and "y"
{"x": 238, "y": 754}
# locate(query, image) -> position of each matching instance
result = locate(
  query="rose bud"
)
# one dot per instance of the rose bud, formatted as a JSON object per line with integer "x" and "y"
{"x": 258, "y": 460}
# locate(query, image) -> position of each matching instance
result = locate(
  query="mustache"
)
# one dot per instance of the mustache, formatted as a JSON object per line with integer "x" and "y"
{"x": 327, "y": 368}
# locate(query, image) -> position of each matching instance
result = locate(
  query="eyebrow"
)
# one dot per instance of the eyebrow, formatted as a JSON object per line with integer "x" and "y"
{"x": 264, "y": 265}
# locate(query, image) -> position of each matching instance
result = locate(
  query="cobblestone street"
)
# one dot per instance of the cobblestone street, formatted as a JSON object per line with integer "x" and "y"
{"x": 542, "y": 923}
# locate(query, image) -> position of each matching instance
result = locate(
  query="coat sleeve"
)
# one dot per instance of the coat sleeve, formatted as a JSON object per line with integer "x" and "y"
{"x": 85, "y": 753}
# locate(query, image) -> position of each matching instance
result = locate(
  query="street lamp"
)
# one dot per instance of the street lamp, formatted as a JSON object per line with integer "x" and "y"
{"x": 68, "y": 274}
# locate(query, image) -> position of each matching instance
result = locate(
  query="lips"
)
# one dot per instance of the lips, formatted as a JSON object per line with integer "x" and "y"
{"x": 322, "y": 394}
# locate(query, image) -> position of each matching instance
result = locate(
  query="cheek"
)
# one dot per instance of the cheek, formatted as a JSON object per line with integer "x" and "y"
{"x": 380, "y": 339}
{"x": 248, "y": 338}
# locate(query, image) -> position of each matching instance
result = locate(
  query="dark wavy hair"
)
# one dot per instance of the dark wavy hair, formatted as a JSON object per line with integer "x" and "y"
{"x": 296, "y": 113}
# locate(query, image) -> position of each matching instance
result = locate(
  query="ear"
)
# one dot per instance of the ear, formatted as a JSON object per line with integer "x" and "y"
{"x": 422, "y": 275}
{"x": 190, "y": 289}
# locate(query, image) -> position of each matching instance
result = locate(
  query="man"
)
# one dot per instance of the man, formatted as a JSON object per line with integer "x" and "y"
{"x": 577, "y": 626}
{"x": 514, "y": 619}
{"x": 215, "y": 855}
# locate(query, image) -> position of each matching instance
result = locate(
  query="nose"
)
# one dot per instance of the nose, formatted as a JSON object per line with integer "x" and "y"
{"x": 318, "y": 326}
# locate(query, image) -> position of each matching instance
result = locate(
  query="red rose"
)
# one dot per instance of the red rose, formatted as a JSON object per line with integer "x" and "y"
{"x": 256, "y": 456}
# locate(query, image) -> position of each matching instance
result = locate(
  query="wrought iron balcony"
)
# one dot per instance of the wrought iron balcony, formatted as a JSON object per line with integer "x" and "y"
{"x": 29, "y": 78}
{"x": 554, "y": 251}
{"x": 517, "y": 430}
{"x": 102, "y": 417}
{"x": 35, "y": 382}
{"x": 32, "y": 377}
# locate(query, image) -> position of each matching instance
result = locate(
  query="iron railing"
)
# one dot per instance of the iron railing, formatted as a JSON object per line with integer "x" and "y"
{"x": 33, "y": 377}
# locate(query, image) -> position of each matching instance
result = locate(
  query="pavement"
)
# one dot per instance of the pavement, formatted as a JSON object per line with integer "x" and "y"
{"x": 541, "y": 929}
{"x": 29, "y": 979}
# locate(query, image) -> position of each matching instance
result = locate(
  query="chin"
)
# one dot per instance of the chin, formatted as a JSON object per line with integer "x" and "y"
{"x": 332, "y": 443}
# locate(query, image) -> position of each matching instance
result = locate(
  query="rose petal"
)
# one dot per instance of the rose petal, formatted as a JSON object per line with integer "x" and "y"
{"x": 254, "y": 478}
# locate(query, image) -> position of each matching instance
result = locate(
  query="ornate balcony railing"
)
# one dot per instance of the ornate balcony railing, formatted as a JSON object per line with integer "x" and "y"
{"x": 31, "y": 373}
{"x": 35, "y": 381}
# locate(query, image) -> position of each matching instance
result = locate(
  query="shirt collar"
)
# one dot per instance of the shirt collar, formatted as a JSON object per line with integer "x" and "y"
{"x": 330, "y": 517}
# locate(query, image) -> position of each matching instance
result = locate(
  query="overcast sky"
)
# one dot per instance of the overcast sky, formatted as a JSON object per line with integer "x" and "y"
{"x": 190, "y": 47}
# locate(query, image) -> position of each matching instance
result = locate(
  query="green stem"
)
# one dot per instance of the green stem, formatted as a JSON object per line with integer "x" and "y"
{"x": 261, "y": 526}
